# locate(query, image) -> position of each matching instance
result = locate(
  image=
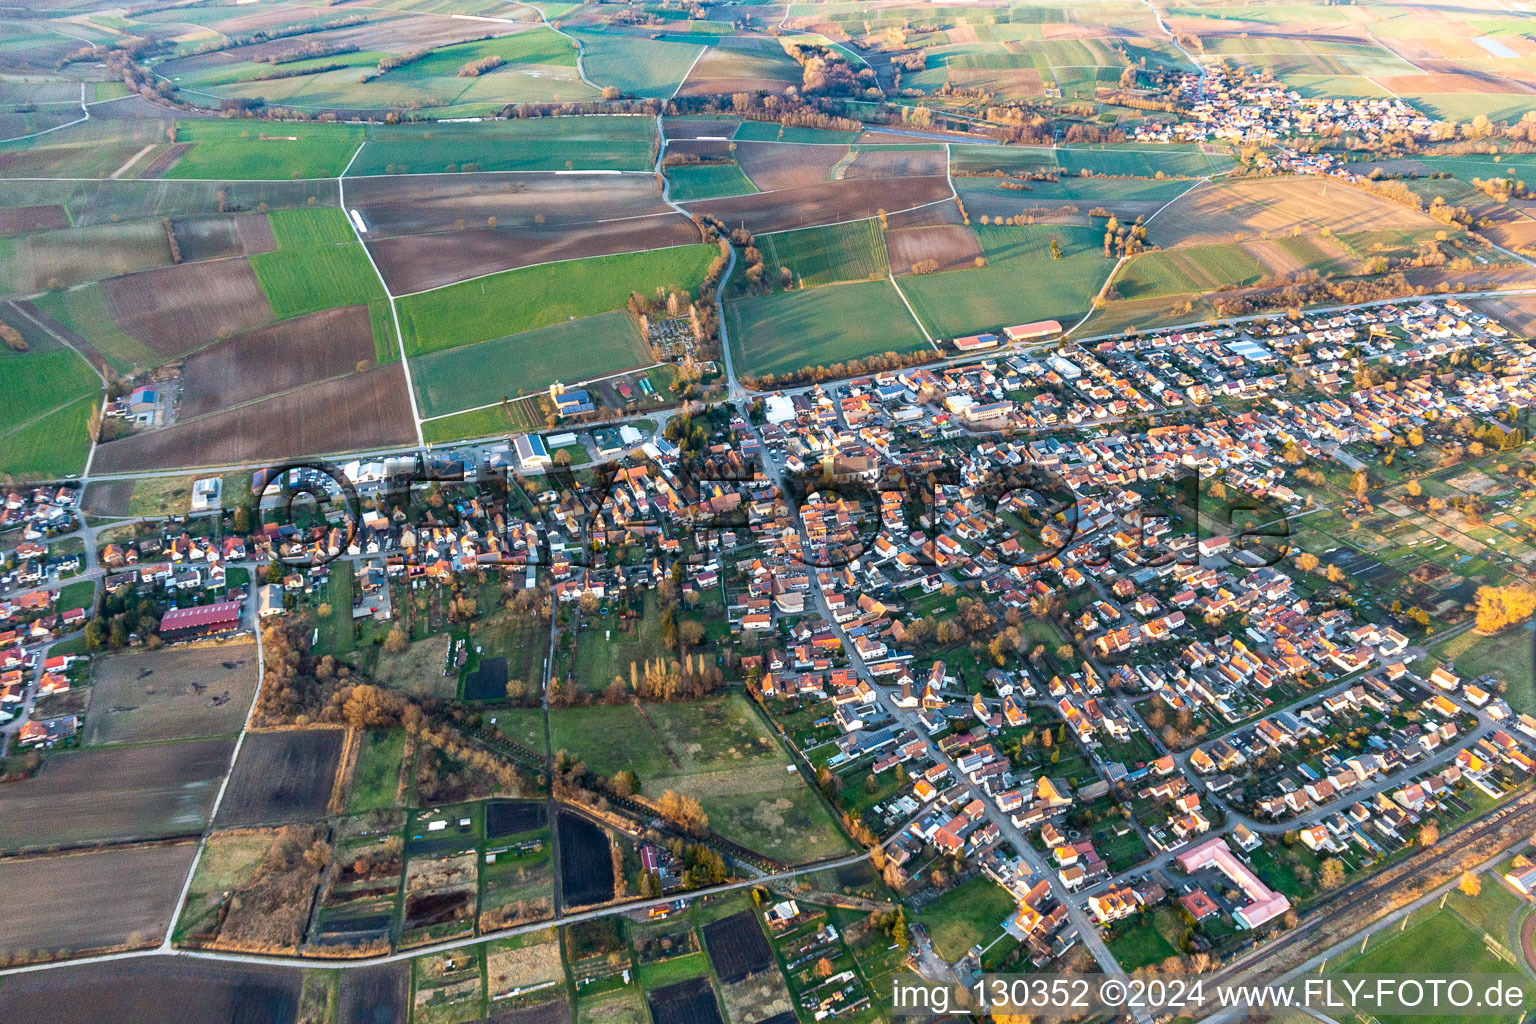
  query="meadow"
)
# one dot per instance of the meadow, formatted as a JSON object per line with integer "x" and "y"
{"x": 787, "y": 331}
{"x": 450, "y": 380}
{"x": 52, "y": 445}
{"x": 40, "y": 381}
{"x": 1177, "y": 271}
{"x": 707, "y": 181}
{"x": 521, "y": 417}
{"x": 523, "y": 144}
{"x": 1015, "y": 291}
{"x": 84, "y": 311}
{"x": 636, "y": 67}
{"x": 531, "y": 297}
{"x": 252, "y": 149}
{"x": 825, "y": 255}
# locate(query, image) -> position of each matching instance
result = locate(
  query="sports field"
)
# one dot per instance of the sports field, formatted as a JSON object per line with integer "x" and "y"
{"x": 774, "y": 334}
{"x": 531, "y": 297}
{"x": 825, "y": 255}
{"x": 449, "y": 380}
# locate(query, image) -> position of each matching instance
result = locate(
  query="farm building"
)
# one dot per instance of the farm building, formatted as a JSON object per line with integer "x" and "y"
{"x": 1030, "y": 331}
{"x": 203, "y": 620}
{"x": 976, "y": 342}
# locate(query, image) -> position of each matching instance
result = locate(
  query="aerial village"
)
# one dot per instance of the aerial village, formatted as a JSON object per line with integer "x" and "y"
{"x": 1105, "y": 688}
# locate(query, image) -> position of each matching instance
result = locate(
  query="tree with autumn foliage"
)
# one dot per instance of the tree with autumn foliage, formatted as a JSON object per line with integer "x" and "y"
{"x": 1498, "y": 607}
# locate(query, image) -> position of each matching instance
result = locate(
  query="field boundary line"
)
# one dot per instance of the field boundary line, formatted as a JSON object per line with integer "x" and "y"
{"x": 684, "y": 80}
{"x": 854, "y": 220}
{"x": 85, "y": 112}
{"x": 581, "y": 72}
{"x": 394, "y": 312}
{"x": 915, "y": 318}
{"x": 534, "y": 394}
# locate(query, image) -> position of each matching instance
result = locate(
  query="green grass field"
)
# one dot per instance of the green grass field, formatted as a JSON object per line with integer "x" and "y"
{"x": 1031, "y": 242}
{"x": 819, "y": 327}
{"x": 519, "y": 418}
{"x": 706, "y": 181}
{"x": 826, "y": 255}
{"x": 1510, "y": 655}
{"x": 1170, "y": 161}
{"x": 84, "y": 311}
{"x": 54, "y": 445}
{"x": 301, "y": 229}
{"x": 772, "y": 131}
{"x": 299, "y": 281}
{"x": 40, "y": 381}
{"x": 970, "y": 913}
{"x": 377, "y": 775}
{"x": 524, "y": 144}
{"x": 1197, "y": 269}
{"x": 533, "y": 297}
{"x": 637, "y": 67}
{"x": 1435, "y": 942}
{"x": 255, "y": 149}
{"x": 716, "y": 750}
{"x": 450, "y": 380}
{"x": 964, "y": 301}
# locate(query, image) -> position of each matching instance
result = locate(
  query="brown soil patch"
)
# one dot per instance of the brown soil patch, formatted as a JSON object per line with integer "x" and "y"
{"x": 92, "y": 900}
{"x": 151, "y": 990}
{"x": 164, "y": 160}
{"x": 1513, "y": 234}
{"x": 79, "y": 344}
{"x": 175, "y": 309}
{"x": 1279, "y": 206}
{"x": 356, "y": 413}
{"x": 951, "y": 246}
{"x": 961, "y": 33}
{"x": 675, "y": 128}
{"x": 1516, "y": 312}
{"x": 415, "y": 263}
{"x": 825, "y": 203}
{"x": 897, "y": 163}
{"x": 255, "y": 233}
{"x": 206, "y": 238}
{"x": 926, "y": 216}
{"x": 108, "y": 497}
{"x": 1072, "y": 30}
{"x": 268, "y": 360}
{"x": 778, "y": 165}
{"x": 174, "y": 693}
{"x": 18, "y": 220}
{"x": 438, "y": 202}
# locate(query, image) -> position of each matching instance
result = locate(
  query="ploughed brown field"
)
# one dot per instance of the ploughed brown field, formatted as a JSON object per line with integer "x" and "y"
{"x": 176, "y": 309}
{"x": 432, "y": 230}
{"x": 826, "y": 203}
{"x": 711, "y": 149}
{"x": 98, "y": 900}
{"x": 898, "y": 163}
{"x": 774, "y": 165}
{"x": 925, "y": 216}
{"x": 95, "y": 796}
{"x": 1216, "y": 213}
{"x": 18, "y": 220}
{"x": 220, "y": 235}
{"x": 288, "y": 354}
{"x": 356, "y": 413}
{"x": 950, "y": 245}
{"x": 153, "y": 990}
{"x": 281, "y": 777}
{"x": 678, "y": 128}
